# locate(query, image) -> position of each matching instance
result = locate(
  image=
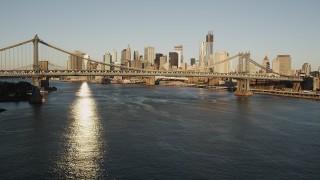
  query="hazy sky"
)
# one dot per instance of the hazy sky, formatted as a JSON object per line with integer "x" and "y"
{"x": 263, "y": 27}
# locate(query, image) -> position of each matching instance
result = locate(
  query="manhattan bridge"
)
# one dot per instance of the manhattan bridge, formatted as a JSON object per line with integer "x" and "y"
{"x": 16, "y": 60}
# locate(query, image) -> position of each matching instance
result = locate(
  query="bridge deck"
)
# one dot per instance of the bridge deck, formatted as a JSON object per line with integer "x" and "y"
{"x": 31, "y": 73}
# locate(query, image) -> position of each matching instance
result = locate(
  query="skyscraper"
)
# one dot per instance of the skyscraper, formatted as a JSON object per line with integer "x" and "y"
{"x": 202, "y": 54}
{"x": 136, "y": 56}
{"x": 114, "y": 56}
{"x": 123, "y": 55}
{"x": 149, "y": 54}
{"x": 157, "y": 60}
{"x": 107, "y": 58}
{"x": 306, "y": 68}
{"x": 173, "y": 58}
{"x": 282, "y": 64}
{"x": 206, "y": 51}
{"x": 128, "y": 53}
{"x": 266, "y": 64}
{"x": 222, "y": 67}
{"x": 179, "y": 50}
{"x": 163, "y": 61}
{"x": 209, "y": 41}
{"x": 75, "y": 62}
{"x": 192, "y": 61}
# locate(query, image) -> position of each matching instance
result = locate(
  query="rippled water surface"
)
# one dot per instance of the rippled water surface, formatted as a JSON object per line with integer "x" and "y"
{"x": 93, "y": 131}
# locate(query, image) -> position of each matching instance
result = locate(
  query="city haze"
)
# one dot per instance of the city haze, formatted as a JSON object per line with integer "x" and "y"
{"x": 261, "y": 27}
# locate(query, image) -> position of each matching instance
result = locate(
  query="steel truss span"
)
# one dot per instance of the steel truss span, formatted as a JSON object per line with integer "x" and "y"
{"x": 51, "y": 73}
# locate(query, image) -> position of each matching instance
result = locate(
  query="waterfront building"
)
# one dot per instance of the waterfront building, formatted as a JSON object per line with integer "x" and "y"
{"x": 222, "y": 67}
{"x": 149, "y": 54}
{"x": 173, "y": 58}
{"x": 43, "y": 65}
{"x": 114, "y": 56}
{"x": 107, "y": 58}
{"x": 282, "y": 64}
{"x": 136, "y": 55}
{"x": 306, "y": 68}
{"x": 179, "y": 49}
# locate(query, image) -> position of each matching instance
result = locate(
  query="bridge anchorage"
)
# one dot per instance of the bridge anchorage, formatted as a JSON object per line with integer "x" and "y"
{"x": 15, "y": 59}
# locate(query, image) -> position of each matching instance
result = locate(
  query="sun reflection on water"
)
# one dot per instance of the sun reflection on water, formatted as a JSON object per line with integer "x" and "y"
{"x": 84, "y": 137}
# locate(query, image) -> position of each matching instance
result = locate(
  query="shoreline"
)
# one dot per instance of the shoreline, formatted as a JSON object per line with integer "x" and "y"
{"x": 301, "y": 95}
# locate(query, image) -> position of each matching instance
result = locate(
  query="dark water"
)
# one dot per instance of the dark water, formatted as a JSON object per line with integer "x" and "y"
{"x": 92, "y": 131}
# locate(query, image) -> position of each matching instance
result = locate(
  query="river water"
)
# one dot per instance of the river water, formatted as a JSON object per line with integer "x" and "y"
{"x": 94, "y": 131}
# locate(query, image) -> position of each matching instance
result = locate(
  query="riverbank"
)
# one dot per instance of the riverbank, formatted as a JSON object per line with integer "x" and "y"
{"x": 14, "y": 92}
{"x": 303, "y": 95}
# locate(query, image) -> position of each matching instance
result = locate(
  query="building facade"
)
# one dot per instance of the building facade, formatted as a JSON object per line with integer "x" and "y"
{"x": 282, "y": 64}
{"x": 179, "y": 49}
{"x": 173, "y": 58}
{"x": 149, "y": 54}
{"x": 265, "y": 64}
{"x": 136, "y": 55}
{"x": 107, "y": 58}
{"x": 114, "y": 56}
{"x": 75, "y": 62}
{"x": 306, "y": 68}
{"x": 43, "y": 65}
{"x": 225, "y": 67}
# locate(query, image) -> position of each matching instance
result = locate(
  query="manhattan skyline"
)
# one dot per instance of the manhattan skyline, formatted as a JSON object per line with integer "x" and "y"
{"x": 262, "y": 27}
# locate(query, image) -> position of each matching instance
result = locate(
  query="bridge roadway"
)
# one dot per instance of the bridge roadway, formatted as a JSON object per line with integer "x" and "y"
{"x": 50, "y": 73}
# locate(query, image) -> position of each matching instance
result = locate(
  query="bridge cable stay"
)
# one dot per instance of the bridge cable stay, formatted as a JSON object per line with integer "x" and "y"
{"x": 15, "y": 45}
{"x": 268, "y": 70}
{"x": 92, "y": 60}
{"x": 55, "y": 58}
{"x": 228, "y": 59}
{"x": 12, "y": 55}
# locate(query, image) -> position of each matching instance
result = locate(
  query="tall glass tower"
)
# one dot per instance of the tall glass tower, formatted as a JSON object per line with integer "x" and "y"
{"x": 209, "y": 48}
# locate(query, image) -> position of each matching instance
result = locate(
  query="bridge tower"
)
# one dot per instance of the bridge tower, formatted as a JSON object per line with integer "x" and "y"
{"x": 244, "y": 63}
{"x": 36, "y": 97}
{"x": 35, "y": 80}
{"x": 244, "y": 67}
{"x": 247, "y": 62}
{"x": 240, "y": 66}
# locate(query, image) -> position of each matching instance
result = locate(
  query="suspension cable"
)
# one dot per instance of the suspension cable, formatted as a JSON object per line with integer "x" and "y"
{"x": 18, "y": 44}
{"x": 91, "y": 60}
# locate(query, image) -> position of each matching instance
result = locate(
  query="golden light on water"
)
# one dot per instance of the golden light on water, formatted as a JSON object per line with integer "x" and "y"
{"x": 84, "y": 145}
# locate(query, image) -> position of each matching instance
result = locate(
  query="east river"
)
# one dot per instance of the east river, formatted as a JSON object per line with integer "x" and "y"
{"x": 94, "y": 131}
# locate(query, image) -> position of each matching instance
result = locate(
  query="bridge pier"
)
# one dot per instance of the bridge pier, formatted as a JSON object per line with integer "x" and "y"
{"x": 243, "y": 88}
{"x": 150, "y": 81}
{"x": 36, "y": 97}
